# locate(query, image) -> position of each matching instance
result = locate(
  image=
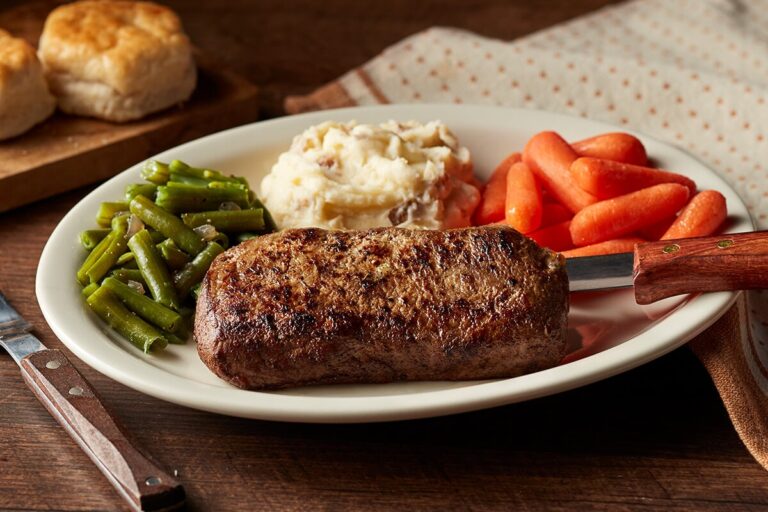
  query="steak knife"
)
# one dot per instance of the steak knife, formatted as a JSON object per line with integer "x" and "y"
{"x": 658, "y": 270}
{"x": 74, "y": 404}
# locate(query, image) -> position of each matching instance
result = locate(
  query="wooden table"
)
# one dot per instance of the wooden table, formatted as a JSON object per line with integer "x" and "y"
{"x": 655, "y": 438}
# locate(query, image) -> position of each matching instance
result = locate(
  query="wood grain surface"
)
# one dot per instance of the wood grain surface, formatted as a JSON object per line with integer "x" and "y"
{"x": 654, "y": 438}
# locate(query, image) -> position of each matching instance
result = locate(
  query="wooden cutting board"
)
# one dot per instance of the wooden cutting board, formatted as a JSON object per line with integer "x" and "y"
{"x": 66, "y": 152}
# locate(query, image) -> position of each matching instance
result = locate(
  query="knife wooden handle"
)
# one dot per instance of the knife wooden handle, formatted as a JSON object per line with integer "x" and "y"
{"x": 71, "y": 400}
{"x": 707, "y": 264}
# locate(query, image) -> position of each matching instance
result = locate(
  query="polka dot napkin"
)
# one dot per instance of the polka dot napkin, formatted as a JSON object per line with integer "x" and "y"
{"x": 691, "y": 72}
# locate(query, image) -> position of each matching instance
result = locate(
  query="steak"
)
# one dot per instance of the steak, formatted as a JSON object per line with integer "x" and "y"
{"x": 309, "y": 306}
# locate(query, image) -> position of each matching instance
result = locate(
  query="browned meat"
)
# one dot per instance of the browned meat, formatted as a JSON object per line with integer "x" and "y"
{"x": 308, "y": 306}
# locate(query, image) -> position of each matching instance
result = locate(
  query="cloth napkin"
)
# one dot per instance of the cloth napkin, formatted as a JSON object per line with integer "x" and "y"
{"x": 691, "y": 72}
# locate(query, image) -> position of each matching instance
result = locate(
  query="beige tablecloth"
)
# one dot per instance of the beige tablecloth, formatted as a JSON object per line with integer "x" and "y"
{"x": 691, "y": 72}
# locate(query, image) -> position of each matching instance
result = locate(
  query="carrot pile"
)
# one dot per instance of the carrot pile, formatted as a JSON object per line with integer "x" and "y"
{"x": 595, "y": 196}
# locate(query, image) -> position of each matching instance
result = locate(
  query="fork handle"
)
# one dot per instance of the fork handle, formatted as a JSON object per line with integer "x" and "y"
{"x": 74, "y": 404}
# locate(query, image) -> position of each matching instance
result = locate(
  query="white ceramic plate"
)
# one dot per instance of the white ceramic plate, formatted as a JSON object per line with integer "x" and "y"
{"x": 609, "y": 332}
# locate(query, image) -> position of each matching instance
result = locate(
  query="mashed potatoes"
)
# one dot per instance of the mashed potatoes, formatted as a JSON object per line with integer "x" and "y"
{"x": 358, "y": 176}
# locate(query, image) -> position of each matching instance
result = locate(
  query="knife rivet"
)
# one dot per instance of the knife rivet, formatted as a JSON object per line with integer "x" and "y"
{"x": 53, "y": 364}
{"x": 76, "y": 391}
{"x": 670, "y": 248}
{"x": 723, "y": 244}
{"x": 152, "y": 480}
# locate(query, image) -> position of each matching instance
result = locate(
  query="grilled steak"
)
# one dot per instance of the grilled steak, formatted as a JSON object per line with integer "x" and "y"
{"x": 309, "y": 306}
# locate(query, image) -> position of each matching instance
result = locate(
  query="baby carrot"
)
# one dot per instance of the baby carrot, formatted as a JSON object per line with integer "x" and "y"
{"x": 656, "y": 231}
{"x": 556, "y": 237}
{"x": 606, "y": 178}
{"x": 554, "y": 213}
{"x": 550, "y": 159}
{"x": 491, "y": 207}
{"x": 614, "y": 218}
{"x": 701, "y": 217}
{"x": 614, "y": 246}
{"x": 523, "y": 203}
{"x": 619, "y": 147}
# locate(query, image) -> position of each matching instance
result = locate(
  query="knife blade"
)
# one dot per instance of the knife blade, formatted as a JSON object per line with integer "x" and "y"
{"x": 75, "y": 405}
{"x": 658, "y": 270}
{"x": 600, "y": 272}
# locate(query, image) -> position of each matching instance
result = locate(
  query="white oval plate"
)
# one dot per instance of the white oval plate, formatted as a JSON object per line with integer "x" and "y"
{"x": 609, "y": 332}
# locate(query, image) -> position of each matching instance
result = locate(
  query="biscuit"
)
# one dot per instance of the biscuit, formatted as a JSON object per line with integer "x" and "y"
{"x": 24, "y": 96}
{"x": 116, "y": 60}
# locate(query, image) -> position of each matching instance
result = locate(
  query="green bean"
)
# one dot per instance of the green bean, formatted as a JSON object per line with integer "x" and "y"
{"x": 173, "y": 256}
{"x": 193, "y": 272}
{"x": 157, "y": 236}
{"x": 153, "y": 270}
{"x": 117, "y": 246}
{"x": 221, "y": 239}
{"x": 233, "y": 185}
{"x": 90, "y": 238}
{"x": 156, "y": 172}
{"x": 269, "y": 222}
{"x": 148, "y": 190}
{"x": 88, "y": 290}
{"x": 154, "y": 313}
{"x": 179, "y": 167}
{"x": 108, "y": 210}
{"x": 124, "y": 259}
{"x": 131, "y": 265}
{"x": 227, "y": 220}
{"x": 138, "y": 332}
{"x": 187, "y": 180}
{"x": 174, "y": 339}
{"x": 169, "y": 225}
{"x": 178, "y": 198}
{"x": 128, "y": 274}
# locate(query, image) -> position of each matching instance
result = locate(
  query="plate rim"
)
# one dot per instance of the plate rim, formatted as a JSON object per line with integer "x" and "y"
{"x": 292, "y": 408}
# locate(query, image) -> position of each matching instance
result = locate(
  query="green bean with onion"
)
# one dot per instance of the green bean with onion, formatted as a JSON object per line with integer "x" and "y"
{"x": 128, "y": 274}
{"x": 169, "y": 225}
{"x": 194, "y": 271}
{"x": 153, "y": 270}
{"x": 108, "y": 210}
{"x": 151, "y": 311}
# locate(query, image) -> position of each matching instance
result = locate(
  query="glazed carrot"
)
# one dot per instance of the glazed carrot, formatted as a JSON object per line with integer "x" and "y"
{"x": 523, "y": 203}
{"x": 614, "y": 246}
{"x": 701, "y": 217}
{"x": 606, "y": 179}
{"x": 614, "y": 218}
{"x": 656, "y": 231}
{"x": 550, "y": 158}
{"x": 491, "y": 207}
{"x": 556, "y": 237}
{"x": 619, "y": 147}
{"x": 554, "y": 213}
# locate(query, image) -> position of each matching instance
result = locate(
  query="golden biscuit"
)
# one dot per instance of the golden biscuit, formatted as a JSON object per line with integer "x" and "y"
{"x": 116, "y": 60}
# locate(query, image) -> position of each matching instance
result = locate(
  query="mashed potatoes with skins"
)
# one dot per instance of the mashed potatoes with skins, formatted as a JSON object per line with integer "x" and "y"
{"x": 359, "y": 176}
